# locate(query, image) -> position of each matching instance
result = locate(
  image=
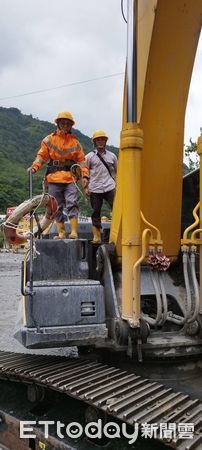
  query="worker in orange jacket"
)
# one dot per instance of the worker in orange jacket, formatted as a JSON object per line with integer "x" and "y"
{"x": 61, "y": 150}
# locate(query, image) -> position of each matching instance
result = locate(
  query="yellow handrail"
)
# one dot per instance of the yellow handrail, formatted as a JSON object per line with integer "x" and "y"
{"x": 158, "y": 234}
{"x": 193, "y": 225}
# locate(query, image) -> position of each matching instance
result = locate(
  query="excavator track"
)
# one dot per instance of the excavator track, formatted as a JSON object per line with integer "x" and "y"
{"x": 118, "y": 393}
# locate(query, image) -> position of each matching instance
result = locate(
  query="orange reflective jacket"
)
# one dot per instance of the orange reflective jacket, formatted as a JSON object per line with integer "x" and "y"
{"x": 60, "y": 147}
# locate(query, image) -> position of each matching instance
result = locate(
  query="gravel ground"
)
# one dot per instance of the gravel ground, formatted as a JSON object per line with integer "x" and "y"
{"x": 10, "y": 279}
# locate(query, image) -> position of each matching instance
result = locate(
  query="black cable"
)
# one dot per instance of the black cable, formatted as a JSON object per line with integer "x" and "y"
{"x": 39, "y": 231}
{"x": 122, "y": 11}
{"x": 62, "y": 86}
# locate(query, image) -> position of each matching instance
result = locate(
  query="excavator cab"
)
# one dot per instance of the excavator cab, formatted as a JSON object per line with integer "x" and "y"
{"x": 140, "y": 292}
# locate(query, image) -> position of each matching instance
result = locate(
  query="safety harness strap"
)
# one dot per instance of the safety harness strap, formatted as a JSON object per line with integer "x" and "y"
{"x": 56, "y": 165}
{"x": 105, "y": 164}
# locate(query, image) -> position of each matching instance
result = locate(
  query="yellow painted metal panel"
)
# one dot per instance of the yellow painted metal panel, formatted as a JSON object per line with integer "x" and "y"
{"x": 173, "y": 46}
{"x": 146, "y": 15}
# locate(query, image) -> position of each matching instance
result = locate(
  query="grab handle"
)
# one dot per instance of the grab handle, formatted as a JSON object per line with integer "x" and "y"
{"x": 31, "y": 235}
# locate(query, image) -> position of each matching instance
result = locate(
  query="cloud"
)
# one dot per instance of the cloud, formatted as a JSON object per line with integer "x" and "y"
{"x": 47, "y": 43}
{"x": 50, "y": 44}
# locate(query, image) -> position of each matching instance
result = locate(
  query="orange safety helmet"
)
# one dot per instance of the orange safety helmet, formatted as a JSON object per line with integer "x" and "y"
{"x": 99, "y": 133}
{"x": 64, "y": 115}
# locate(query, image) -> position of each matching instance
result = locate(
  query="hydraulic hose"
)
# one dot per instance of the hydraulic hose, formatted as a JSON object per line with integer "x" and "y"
{"x": 164, "y": 298}
{"x": 187, "y": 284}
{"x": 158, "y": 318}
{"x": 196, "y": 288}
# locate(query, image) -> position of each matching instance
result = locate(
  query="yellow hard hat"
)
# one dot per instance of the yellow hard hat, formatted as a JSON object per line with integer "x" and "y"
{"x": 99, "y": 133}
{"x": 64, "y": 115}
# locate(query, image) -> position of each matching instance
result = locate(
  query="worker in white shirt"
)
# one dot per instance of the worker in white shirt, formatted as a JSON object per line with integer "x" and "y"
{"x": 102, "y": 165}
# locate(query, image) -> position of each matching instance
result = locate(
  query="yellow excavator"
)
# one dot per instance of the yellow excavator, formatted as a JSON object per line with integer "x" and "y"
{"x": 140, "y": 292}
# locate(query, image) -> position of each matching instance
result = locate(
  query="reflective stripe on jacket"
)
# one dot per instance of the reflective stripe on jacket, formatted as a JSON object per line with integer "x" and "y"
{"x": 61, "y": 147}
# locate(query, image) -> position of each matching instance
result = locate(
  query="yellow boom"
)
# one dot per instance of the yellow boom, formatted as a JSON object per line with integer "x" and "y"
{"x": 151, "y": 167}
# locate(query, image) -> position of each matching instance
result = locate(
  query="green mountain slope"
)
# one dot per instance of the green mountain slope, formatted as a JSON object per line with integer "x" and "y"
{"x": 20, "y": 138}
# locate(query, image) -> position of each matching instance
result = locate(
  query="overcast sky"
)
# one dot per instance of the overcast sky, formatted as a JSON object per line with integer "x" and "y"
{"x": 45, "y": 44}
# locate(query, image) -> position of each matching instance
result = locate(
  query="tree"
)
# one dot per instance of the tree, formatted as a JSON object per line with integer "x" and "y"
{"x": 192, "y": 155}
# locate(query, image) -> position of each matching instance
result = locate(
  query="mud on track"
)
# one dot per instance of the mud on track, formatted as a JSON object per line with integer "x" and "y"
{"x": 10, "y": 280}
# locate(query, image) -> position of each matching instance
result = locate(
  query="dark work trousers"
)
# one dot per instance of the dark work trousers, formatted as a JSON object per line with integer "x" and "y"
{"x": 66, "y": 195}
{"x": 96, "y": 203}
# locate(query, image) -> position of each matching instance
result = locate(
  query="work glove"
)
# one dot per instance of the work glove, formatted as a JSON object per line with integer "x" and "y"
{"x": 31, "y": 169}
